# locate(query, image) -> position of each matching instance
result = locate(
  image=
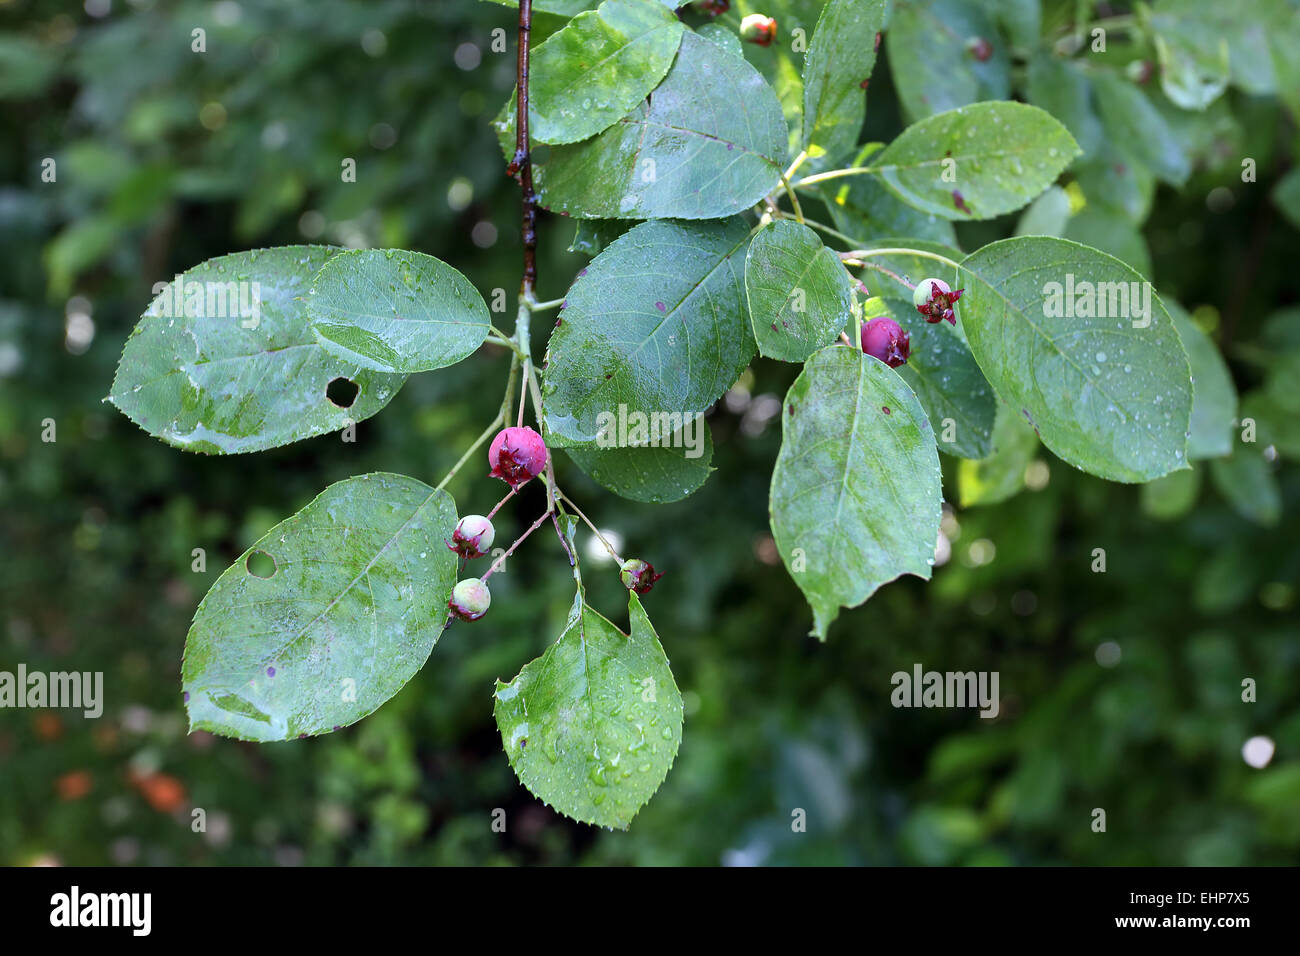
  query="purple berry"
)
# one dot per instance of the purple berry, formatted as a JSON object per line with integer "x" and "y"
{"x": 883, "y": 338}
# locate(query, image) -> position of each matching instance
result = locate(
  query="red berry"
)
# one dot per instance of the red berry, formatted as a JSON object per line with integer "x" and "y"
{"x": 713, "y": 7}
{"x": 883, "y": 338}
{"x": 516, "y": 455}
{"x": 638, "y": 575}
{"x": 759, "y": 29}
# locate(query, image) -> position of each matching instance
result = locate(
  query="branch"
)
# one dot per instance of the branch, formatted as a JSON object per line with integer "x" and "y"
{"x": 522, "y": 163}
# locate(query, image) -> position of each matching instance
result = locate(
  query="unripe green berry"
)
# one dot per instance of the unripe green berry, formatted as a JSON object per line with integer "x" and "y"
{"x": 470, "y": 599}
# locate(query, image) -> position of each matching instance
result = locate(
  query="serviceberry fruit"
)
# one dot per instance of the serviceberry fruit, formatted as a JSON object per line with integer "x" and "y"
{"x": 883, "y": 338}
{"x": 638, "y": 575}
{"x": 472, "y": 537}
{"x": 713, "y": 7}
{"x": 516, "y": 455}
{"x": 934, "y": 300}
{"x": 759, "y": 29}
{"x": 979, "y": 48}
{"x": 470, "y": 599}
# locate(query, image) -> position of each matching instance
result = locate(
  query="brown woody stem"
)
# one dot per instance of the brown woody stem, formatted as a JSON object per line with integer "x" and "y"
{"x": 522, "y": 163}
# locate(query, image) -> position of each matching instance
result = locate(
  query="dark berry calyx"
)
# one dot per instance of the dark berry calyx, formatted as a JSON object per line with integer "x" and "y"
{"x": 473, "y": 536}
{"x": 638, "y": 575}
{"x": 934, "y": 300}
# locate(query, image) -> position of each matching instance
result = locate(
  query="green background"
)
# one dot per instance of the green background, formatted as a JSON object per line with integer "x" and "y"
{"x": 166, "y": 157}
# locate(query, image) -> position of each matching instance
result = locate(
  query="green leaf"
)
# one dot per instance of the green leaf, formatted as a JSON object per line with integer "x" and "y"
{"x": 950, "y": 386}
{"x": 656, "y": 474}
{"x": 1131, "y": 120}
{"x": 1112, "y": 232}
{"x": 1171, "y": 497}
{"x": 863, "y": 209}
{"x": 1193, "y": 53}
{"x": 396, "y": 311}
{"x": 1109, "y": 393}
{"x": 721, "y": 37}
{"x": 355, "y": 599}
{"x": 1274, "y": 423}
{"x": 1061, "y": 87}
{"x": 1047, "y": 215}
{"x": 709, "y": 142}
{"x": 1214, "y": 405}
{"x": 593, "y": 235}
{"x": 1002, "y": 474}
{"x": 656, "y": 323}
{"x": 835, "y": 74}
{"x": 1116, "y": 181}
{"x": 1246, "y": 481}
{"x": 1286, "y": 196}
{"x": 933, "y": 70}
{"x": 799, "y": 294}
{"x": 224, "y": 359}
{"x": 976, "y": 162}
{"x": 599, "y": 67}
{"x": 855, "y": 493}
{"x": 593, "y": 725}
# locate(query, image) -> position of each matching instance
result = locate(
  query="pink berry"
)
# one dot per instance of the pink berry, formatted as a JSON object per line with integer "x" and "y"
{"x": 934, "y": 300}
{"x": 516, "y": 455}
{"x": 638, "y": 575}
{"x": 883, "y": 338}
{"x": 758, "y": 29}
{"x": 473, "y": 536}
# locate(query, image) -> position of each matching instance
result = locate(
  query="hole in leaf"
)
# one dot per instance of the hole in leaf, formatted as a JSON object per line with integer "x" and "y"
{"x": 260, "y": 564}
{"x": 342, "y": 392}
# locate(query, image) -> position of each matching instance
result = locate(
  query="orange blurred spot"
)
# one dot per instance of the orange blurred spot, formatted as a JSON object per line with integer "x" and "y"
{"x": 162, "y": 791}
{"x": 74, "y": 785}
{"x": 48, "y": 726}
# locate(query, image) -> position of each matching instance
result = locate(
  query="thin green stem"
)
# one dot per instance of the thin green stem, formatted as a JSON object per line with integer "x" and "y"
{"x": 891, "y": 273}
{"x": 794, "y": 198}
{"x": 794, "y": 167}
{"x": 535, "y": 306}
{"x": 920, "y": 253}
{"x": 836, "y": 174}
{"x": 594, "y": 530}
{"x": 478, "y": 443}
{"x": 822, "y": 227}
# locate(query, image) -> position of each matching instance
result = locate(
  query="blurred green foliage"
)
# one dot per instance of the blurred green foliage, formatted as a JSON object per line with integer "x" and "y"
{"x": 1120, "y": 690}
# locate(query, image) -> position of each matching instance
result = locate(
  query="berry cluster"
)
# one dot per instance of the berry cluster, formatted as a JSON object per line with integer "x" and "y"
{"x": 516, "y": 456}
